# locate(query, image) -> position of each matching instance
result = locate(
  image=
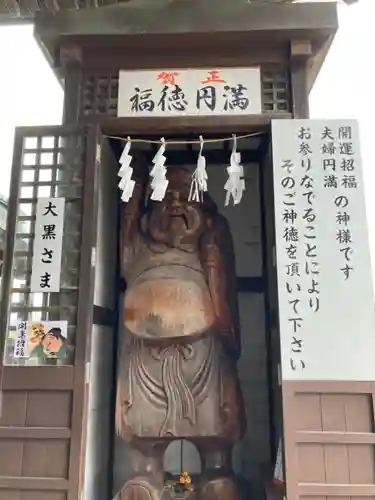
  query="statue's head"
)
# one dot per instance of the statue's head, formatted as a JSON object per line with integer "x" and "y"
{"x": 176, "y": 220}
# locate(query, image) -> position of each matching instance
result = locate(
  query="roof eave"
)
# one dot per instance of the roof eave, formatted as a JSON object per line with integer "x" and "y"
{"x": 122, "y": 23}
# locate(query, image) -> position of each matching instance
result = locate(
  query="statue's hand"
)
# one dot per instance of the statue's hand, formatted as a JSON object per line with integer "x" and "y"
{"x": 225, "y": 325}
{"x": 229, "y": 334}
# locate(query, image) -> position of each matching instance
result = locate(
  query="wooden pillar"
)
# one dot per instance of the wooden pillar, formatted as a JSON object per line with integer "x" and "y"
{"x": 70, "y": 58}
{"x": 300, "y": 53}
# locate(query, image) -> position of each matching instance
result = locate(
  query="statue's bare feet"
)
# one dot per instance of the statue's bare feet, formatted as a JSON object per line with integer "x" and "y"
{"x": 139, "y": 488}
{"x": 221, "y": 488}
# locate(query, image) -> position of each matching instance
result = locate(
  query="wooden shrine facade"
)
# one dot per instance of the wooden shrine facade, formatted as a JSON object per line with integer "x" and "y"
{"x": 44, "y": 431}
{"x": 88, "y": 48}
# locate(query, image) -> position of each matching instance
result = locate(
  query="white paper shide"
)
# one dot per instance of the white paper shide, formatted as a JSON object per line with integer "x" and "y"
{"x": 126, "y": 184}
{"x": 199, "y": 178}
{"x": 158, "y": 174}
{"x": 235, "y": 184}
{"x": 47, "y": 250}
{"x": 326, "y": 301}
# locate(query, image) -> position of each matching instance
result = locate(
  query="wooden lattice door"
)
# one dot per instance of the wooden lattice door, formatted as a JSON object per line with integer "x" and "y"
{"x": 41, "y": 424}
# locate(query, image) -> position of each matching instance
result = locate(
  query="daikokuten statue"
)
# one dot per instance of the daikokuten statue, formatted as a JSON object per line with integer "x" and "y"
{"x": 177, "y": 372}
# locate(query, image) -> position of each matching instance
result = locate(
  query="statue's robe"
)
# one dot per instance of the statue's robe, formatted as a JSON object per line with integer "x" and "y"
{"x": 175, "y": 377}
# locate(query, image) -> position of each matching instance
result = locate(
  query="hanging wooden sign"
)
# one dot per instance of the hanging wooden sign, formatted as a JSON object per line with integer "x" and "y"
{"x": 191, "y": 92}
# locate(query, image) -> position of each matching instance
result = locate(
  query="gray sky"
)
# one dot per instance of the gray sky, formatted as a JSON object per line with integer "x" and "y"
{"x": 345, "y": 89}
{"x": 30, "y": 95}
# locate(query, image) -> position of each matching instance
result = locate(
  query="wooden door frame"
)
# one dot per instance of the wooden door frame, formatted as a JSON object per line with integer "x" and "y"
{"x": 85, "y": 312}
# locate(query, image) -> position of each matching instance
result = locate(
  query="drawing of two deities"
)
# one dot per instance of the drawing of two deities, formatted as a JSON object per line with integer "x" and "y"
{"x": 47, "y": 341}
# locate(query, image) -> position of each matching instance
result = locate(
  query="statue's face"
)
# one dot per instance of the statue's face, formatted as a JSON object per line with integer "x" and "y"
{"x": 176, "y": 220}
{"x": 177, "y": 198}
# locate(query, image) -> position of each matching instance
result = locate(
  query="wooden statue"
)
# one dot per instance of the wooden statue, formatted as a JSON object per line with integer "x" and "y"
{"x": 177, "y": 372}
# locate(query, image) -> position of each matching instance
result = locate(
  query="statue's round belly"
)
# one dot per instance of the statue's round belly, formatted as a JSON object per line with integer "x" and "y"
{"x": 168, "y": 308}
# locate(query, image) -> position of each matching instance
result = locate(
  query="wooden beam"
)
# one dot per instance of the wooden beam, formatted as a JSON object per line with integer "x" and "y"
{"x": 18, "y": 483}
{"x": 300, "y": 53}
{"x": 306, "y": 490}
{"x": 186, "y": 17}
{"x": 34, "y": 433}
{"x": 300, "y": 49}
{"x": 187, "y": 124}
{"x": 323, "y": 437}
{"x": 299, "y": 85}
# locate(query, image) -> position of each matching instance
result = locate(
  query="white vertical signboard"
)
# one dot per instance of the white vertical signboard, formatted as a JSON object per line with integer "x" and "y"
{"x": 49, "y": 228}
{"x": 326, "y": 301}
